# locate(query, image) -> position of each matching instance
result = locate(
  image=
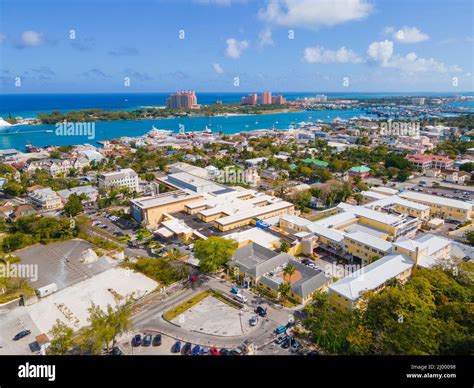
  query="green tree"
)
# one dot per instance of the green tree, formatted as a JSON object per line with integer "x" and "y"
{"x": 73, "y": 205}
{"x": 285, "y": 246}
{"x": 284, "y": 289}
{"x": 289, "y": 271}
{"x": 214, "y": 252}
{"x": 106, "y": 325}
{"x": 62, "y": 338}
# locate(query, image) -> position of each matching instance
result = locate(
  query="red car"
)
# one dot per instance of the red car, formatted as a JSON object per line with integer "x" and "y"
{"x": 214, "y": 351}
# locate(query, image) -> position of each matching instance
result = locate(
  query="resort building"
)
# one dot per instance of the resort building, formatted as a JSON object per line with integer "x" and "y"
{"x": 182, "y": 100}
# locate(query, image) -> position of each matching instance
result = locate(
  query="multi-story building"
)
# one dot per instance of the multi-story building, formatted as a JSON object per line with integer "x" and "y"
{"x": 430, "y": 161}
{"x": 278, "y": 100}
{"x": 125, "y": 177}
{"x": 46, "y": 199}
{"x": 185, "y": 99}
{"x": 150, "y": 210}
{"x": 266, "y": 98}
{"x": 251, "y": 99}
{"x": 446, "y": 208}
{"x": 56, "y": 167}
{"x": 418, "y": 101}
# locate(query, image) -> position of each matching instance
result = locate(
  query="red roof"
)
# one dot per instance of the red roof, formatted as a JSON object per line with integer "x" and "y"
{"x": 421, "y": 158}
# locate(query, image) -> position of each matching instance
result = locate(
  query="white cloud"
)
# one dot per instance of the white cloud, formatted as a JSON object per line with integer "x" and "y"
{"x": 388, "y": 30}
{"x": 234, "y": 47}
{"x": 313, "y": 14}
{"x": 321, "y": 55}
{"x": 382, "y": 53}
{"x": 218, "y": 68}
{"x": 411, "y": 63}
{"x": 32, "y": 38}
{"x": 265, "y": 37}
{"x": 409, "y": 35}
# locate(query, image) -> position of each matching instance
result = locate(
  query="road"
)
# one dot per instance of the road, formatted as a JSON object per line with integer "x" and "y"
{"x": 150, "y": 320}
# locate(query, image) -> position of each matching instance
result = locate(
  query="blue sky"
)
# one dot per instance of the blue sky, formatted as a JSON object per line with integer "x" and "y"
{"x": 279, "y": 45}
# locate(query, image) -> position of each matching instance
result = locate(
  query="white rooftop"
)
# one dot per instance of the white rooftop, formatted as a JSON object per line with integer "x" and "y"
{"x": 371, "y": 276}
{"x": 256, "y": 235}
{"x": 436, "y": 200}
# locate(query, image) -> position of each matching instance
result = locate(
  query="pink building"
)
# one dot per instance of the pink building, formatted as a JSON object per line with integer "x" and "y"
{"x": 266, "y": 98}
{"x": 252, "y": 99}
{"x": 185, "y": 99}
{"x": 430, "y": 161}
{"x": 278, "y": 100}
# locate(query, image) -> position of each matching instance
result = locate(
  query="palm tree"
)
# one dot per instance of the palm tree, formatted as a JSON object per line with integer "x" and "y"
{"x": 284, "y": 289}
{"x": 289, "y": 270}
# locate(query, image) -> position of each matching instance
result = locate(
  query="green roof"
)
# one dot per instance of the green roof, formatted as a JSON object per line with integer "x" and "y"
{"x": 317, "y": 162}
{"x": 292, "y": 166}
{"x": 360, "y": 169}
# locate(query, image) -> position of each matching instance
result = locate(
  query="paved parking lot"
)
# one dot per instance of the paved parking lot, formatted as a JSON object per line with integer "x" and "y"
{"x": 11, "y": 323}
{"x": 61, "y": 263}
{"x": 212, "y": 316}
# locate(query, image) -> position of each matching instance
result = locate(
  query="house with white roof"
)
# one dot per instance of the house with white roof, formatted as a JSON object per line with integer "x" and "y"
{"x": 346, "y": 292}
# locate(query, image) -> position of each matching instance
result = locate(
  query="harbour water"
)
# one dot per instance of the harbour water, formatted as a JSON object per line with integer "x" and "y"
{"x": 41, "y": 135}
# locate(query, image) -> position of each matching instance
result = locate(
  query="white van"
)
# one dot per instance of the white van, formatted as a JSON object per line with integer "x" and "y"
{"x": 240, "y": 298}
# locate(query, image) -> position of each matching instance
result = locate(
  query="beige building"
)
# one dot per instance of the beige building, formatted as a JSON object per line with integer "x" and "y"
{"x": 445, "y": 208}
{"x": 150, "y": 210}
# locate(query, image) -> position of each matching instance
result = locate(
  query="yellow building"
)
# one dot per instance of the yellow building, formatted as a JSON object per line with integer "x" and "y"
{"x": 150, "y": 210}
{"x": 348, "y": 291}
{"x": 366, "y": 246}
{"x": 446, "y": 208}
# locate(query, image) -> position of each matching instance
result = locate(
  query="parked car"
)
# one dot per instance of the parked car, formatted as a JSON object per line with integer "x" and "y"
{"x": 280, "y": 329}
{"x": 280, "y": 339}
{"x": 240, "y": 298}
{"x": 261, "y": 311}
{"x": 224, "y": 352}
{"x": 214, "y": 351}
{"x": 137, "y": 340}
{"x": 204, "y": 351}
{"x": 116, "y": 351}
{"x": 235, "y": 290}
{"x": 21, "y": 335}
{"x": 196, "y": 350}
{"x": 295, "y": 345}
{"x": 236, "y": 352}
{"x": 176, "y": 347}
{"x": 187, "y": 348}
{"x": 253, "y": 320}
{"x": 157, "y": 340}
{"x": 286, "y": 344}
{"x": 147, "y": 340}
